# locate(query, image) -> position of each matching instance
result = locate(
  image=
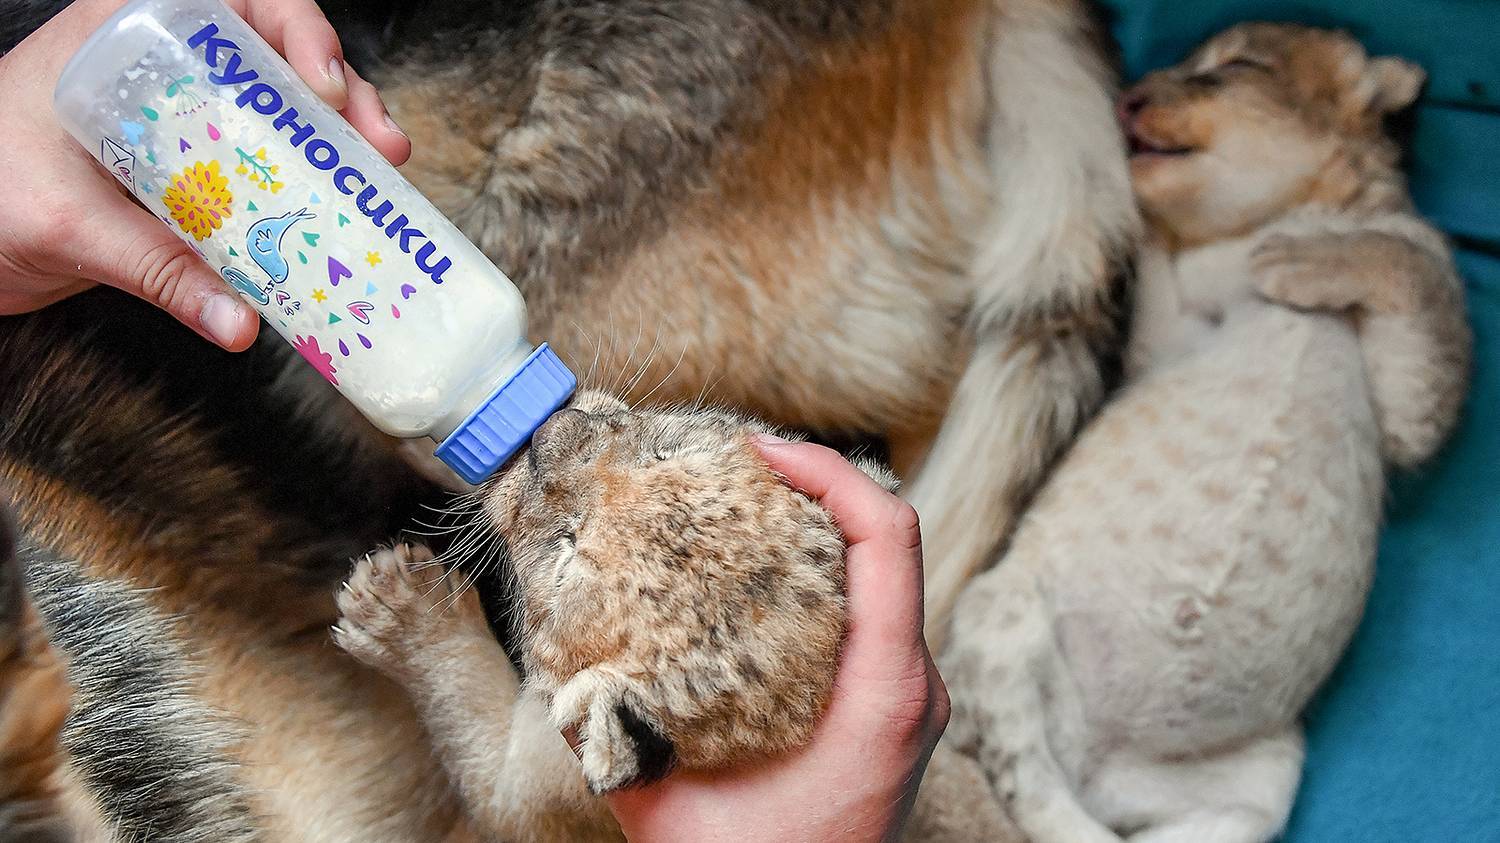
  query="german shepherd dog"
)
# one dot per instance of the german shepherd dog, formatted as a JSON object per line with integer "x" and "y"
{"x": 887, "y": 218}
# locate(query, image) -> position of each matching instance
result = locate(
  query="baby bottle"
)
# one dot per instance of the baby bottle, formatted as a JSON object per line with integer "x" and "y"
{"x": 216, "y": 135}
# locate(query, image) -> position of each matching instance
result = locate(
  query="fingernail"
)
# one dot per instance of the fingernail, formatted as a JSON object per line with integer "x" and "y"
{"x": 391, "y": 124}
{"x": 221, "y": 318}
{"x": 772, "y": 439}
{"x": 335, "y": 73}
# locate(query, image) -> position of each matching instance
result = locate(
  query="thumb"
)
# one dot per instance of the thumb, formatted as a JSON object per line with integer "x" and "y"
{"x": 123, "y": 246}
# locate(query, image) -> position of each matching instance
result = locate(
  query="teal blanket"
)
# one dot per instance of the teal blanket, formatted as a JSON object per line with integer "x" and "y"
{"x": 1404, "y": 743}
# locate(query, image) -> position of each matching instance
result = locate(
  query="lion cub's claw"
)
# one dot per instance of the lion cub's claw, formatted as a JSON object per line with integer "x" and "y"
{"x": 396, "y": 602}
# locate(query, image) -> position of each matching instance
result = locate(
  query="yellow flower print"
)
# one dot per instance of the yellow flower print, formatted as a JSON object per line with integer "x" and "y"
{"x": 198, "y": 199}
{"x": 260, "y": 172}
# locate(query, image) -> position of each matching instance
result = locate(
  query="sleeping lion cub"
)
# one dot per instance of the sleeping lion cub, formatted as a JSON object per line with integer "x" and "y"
{"x": 1137, "y": 662}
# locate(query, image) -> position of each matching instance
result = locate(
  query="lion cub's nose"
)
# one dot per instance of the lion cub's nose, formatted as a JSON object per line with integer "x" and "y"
{"x": 1131, "y": 104}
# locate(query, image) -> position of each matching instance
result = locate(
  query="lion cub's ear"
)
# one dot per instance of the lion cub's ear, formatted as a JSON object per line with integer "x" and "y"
{"x": 619, "y": 746}
{"x": 1389, "y": 85}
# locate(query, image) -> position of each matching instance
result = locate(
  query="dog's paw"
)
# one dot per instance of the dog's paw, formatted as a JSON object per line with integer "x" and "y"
{"x": 619, "y": 743}
{"x": 398, "y": 602}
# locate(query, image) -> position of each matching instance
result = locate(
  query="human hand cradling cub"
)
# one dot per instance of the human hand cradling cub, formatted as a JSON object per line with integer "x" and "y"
{"x": 679, "y": 606}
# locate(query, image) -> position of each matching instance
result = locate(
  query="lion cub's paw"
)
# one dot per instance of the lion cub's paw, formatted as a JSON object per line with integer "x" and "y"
{"x": 1337, "y": 272}
{"x": 1292, "y": 270}
{"x": 398, "y": 602}
{"x": 619, "y": 744}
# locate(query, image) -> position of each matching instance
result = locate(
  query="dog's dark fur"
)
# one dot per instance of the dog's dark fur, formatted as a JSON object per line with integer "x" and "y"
{"x": 124, "y": 441}
{"x": 135, "y": 700}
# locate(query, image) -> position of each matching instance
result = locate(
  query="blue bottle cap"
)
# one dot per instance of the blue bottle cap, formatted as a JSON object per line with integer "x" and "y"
{"x": 505, "y": 421}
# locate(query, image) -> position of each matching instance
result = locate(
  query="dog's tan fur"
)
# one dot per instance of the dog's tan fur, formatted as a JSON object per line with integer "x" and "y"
{"x": 909, "y": 232}
{"x": 773, "y": 285}
{"x": 34, "y": 695}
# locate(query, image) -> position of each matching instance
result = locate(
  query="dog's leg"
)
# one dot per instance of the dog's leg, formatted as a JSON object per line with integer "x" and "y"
{"x": 1240, "y": 796}
{"x": 421, "y": 625}
{"x": 1063, "y": 220}
{"x": 1398, "y": 280}
{"x": 34, "y": 701}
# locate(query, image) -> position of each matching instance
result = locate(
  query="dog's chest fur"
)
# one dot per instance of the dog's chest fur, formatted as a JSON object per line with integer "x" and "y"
{"x": 817, "y": 174}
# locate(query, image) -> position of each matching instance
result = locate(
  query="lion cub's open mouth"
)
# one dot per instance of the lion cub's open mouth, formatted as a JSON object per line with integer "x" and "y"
{"x": 1142, "y": 145}
{"x": 1140, "y": 141}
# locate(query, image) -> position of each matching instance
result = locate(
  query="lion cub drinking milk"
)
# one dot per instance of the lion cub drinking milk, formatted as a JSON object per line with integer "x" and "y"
{"x": 1137, "y": 662}
{"x": 677, "y": 603}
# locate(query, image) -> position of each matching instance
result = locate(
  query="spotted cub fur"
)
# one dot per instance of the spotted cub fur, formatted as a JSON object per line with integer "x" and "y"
{"x": 678, "y": 604}
{"x": 1137, "y": 662}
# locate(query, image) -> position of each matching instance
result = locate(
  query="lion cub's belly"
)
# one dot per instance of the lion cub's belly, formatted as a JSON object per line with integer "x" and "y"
{"x": 1208, "y": 544}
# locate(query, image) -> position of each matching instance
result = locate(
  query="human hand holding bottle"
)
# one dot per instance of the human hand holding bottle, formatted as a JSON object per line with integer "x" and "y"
{"x": 65, "y": 225}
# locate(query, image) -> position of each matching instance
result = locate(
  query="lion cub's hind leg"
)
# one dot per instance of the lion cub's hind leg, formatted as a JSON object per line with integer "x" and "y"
{"x": 34, "y": 699}
{"x": 1241, "y": 794}
{"x": 1015, "y": 706}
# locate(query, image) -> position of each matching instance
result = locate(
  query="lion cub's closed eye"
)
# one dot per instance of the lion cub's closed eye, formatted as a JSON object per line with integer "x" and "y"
{"x": 679, "y": 603}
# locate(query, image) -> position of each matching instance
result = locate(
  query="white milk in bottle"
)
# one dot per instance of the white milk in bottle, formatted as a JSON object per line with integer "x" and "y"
{"x": 215, "y": 134}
